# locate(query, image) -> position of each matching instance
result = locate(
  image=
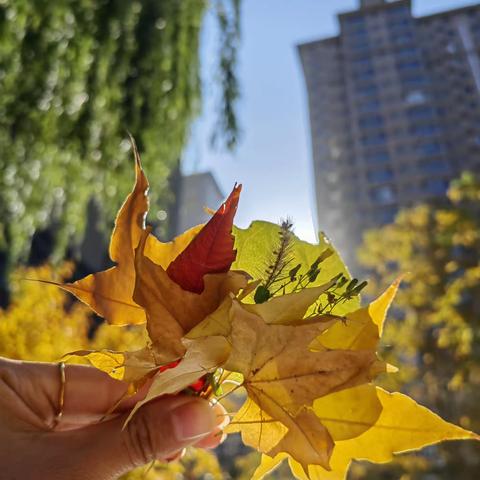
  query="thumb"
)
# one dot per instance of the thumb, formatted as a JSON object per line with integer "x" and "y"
{"x": 159, "y": 430}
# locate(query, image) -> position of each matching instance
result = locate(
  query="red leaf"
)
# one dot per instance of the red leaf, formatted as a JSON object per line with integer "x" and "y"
{"x": 211, "y": 251}
{"x": 199, "y": 385}
{"x": 169, "y": 366}
{"x": 196, "y": 386}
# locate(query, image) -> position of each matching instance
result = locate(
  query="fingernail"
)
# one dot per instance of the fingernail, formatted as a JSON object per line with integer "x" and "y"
{"x": 193, "y": 421}
{"x": 222, "y": 421}
{"x": 178, "y": 456}
{"x": 223, "y": 437}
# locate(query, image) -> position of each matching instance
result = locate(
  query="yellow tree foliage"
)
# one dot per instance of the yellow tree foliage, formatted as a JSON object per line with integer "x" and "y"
{"x": 37, "y": 326}
{"x": 437, "y": 333}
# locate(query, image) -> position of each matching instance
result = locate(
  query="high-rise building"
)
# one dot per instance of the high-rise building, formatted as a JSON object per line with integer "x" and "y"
{"x": 394, "y": 103}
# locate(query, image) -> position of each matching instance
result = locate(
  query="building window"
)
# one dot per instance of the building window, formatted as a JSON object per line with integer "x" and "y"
{"x": 407, "y": 52}
{"x": 352, "y": 196}
{"x": 363, "y": 66}
{"x": 354, "y": 20}
{"x": 377, "y": 158}
{"x": 386, "y": 215}
{"x": 374, "y": 139}
{"x": 398, "y": 11}
{"x": 402, "y": 39}
{"x": 424, "y": 130}
{"x": 380, "y": 175}
{"x": 435, "y": 186}
{"x": 400, "y": 23}
{"x": 415, "y": 97}
{"x": 415, "y": 81}
{"x": 431, "y": 148}
{"x": 384, "y": 194}
{"x": 451, "y": 48}
{"x": 362, "y": 46}
{"x": 433, "y": 166}
{"x": 369, "y": 106}
{"x": 409, "y": 65}
{"x": 420, "y": 113}
{"x": 365, "y": 61}
{"x": 363, "y": 75}
{"x": 358, "y": 31}
{"x": 366, "y": 90}
{"x": 356, "y": 35}
{"x": 370, "y": 121}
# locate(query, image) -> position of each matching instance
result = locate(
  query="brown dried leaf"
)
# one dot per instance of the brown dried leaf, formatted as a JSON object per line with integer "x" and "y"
{"x": 172, "y": 311}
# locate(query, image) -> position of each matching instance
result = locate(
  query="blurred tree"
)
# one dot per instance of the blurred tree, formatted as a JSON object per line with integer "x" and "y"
{"x": 36, "y": 326}
{"x": 74, "y": 76}
{"x": 435, "y": 338}
{"x": 245, "y": 466}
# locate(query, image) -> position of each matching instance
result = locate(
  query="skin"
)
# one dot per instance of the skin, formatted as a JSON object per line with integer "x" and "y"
{"x": 83, "y": 445}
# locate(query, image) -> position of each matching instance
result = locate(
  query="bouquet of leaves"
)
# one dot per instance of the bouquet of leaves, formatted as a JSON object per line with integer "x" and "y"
{"x": 261, "y": 311}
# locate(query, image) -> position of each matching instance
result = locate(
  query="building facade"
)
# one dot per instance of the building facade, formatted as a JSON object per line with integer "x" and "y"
{"x": 394, "y": 104}
{"x": 197, "y": 191}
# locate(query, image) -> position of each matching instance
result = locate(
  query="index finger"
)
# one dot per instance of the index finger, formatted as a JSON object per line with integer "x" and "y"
{"x": 88, "y": 393}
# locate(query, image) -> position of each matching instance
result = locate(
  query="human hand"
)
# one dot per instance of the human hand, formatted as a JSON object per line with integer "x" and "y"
{"x": 34, "y": 446}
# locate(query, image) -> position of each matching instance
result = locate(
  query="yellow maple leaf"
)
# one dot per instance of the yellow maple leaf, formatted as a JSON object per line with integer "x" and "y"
{"x": 140, "y": 288}
{"x": 361, "y": 328}
{"x": 110, "y": 293}
{"x": 365, "y": 421}
{"x": 126, "y": 366}
{"x": 403, "y": 426}
{"x": 282, "y": 376}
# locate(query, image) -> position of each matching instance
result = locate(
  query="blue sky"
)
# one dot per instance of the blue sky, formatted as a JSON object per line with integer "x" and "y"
{"x": 273, "y": 159}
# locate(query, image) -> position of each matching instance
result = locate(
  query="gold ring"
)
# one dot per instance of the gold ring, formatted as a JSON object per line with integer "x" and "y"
{"x": 61, "y": 395}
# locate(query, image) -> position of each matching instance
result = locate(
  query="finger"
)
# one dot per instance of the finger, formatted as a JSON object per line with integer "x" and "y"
{"x": 217, "y": 436}
{"x": 89, "y": 393}
{"x": 223, "y": 418}
{"x": 159, "y": 430}
{"x": 213, "y": 441}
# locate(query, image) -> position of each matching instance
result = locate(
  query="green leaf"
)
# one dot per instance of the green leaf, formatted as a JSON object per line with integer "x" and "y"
{"x": 262, "y": 294}
{"x": 255, "y": 245}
